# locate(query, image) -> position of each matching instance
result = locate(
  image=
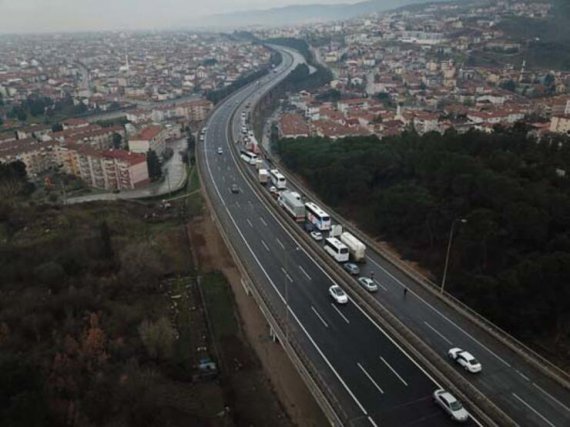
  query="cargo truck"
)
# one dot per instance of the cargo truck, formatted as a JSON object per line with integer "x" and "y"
{"x": 263, "y": 176}
{"x": 356, "y": 248}
{"x": 292, "y": 203}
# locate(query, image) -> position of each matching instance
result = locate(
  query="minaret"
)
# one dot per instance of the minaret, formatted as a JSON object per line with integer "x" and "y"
{"x": 127, "y": 61}
{"x": 521, "y": 75}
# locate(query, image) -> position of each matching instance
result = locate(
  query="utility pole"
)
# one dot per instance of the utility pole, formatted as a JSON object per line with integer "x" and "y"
{"x": 455, "y": 221}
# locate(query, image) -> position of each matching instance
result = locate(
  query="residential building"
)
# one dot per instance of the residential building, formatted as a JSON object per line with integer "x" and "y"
{"x": 149, "y": 138}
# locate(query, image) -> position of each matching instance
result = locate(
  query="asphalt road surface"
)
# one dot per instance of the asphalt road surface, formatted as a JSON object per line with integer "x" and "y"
{"x": 520, "y": 390}
{"x": 372, "y": 378}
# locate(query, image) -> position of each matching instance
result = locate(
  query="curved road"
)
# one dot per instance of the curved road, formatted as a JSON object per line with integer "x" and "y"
{"x": 520, "y": 390}
{"x": 372, "y": 378}
{"x": 515, "y": 386}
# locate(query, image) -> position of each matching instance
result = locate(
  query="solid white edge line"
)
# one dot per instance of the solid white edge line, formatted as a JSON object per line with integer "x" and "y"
{"x": 319, "y": 316}
{"x": 340, "y": 314}
{"x": 393, "y": 371}
{"x": 370, "y": 377}
{"x": 534, "y": 410}
{"x": 326, "y": 360}
{"x": 334, "y": 282}
{"x": 443, "y": 337}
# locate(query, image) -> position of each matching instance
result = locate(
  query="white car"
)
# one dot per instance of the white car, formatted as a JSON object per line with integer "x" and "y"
{"x": 338, "y": 294}
{"x": 317, "y": 235}
{"x": 450, "y": 405}
{"x": 220, "y": 151}
{"x": 368, "y": 284}
{"x": 465, "y": 359}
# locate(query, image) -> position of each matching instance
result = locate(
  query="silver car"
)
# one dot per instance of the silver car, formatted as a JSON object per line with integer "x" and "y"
{"x": 352, "y": 268}
{"x": 368, "y": 284}
{"x": 450, "y": 405}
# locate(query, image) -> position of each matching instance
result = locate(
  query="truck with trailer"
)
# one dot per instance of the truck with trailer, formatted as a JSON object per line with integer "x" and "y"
{"x": 291, "y": 201}
{"x": 356, "y": 248}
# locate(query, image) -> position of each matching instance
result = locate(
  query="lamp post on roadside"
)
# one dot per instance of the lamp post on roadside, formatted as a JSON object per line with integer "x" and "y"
{"x": 455, "y": 221}
{"x": 167, "y": 180}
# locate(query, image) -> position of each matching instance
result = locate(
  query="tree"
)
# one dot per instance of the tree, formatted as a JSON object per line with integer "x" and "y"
{"x": 50, "y": 273}
{"x": 22, "y": 401}
{"x": 117, "y": 140}
{"x": 140, "y": 265}
{"x": 158, "y": 338}
{"x": 509, "y": 85}
{"x": 153, "y": 164}
{"x": 107, "y": 244}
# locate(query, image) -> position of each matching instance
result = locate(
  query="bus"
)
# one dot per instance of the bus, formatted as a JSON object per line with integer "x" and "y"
{"x": 277, "y": 179}
{"x": 336, "y": 249}
{"x": 317, "y": 217}
{"x": 249, "y": 157}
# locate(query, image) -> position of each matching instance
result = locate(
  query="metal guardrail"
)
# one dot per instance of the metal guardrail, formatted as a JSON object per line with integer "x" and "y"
{"x": 304, "y": 366}
{"x": 536, "y": 360}
{"x": 439, "y": 368}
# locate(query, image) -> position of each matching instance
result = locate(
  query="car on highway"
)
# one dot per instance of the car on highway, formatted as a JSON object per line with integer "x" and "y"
{"x": 317, "y": 235}
{"x": 220, "y": 151}
{"x": 368, "y": 284}
{"x": 338, "y": 294}
{"x": 235, "y": 188}
{"x": 451, "y": 405}
{"x": 352, "y": 268}
{"x": 465, "y": 359}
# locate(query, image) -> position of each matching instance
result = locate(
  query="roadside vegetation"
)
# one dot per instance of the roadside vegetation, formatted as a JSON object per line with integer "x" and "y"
{"x": 510, "y": 261}
{"x": 102, "y": 320}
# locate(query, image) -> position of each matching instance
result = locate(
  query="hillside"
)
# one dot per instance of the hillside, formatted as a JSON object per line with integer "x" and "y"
{"x": 102, "y": 319}
{"x": 546, "y": 40}
{"x": 299, "y": 14}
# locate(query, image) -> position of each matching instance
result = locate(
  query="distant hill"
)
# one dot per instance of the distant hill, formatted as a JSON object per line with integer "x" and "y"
{"x": 299, "y": 14}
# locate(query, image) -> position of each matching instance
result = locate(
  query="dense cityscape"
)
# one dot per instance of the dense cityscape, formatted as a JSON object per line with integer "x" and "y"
{"x": 330, "y": 214}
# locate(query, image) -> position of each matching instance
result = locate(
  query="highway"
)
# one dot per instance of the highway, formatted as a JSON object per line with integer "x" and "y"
{"x": 515, "y": 386}
{"x": 373, "y": 380}
{"x": 520, "y": 390}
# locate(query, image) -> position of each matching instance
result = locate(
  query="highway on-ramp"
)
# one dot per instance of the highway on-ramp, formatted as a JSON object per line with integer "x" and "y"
{"x": 374, "y": 382}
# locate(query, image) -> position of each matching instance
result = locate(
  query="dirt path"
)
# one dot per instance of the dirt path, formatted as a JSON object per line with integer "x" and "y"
{"x": 213, "y": 255}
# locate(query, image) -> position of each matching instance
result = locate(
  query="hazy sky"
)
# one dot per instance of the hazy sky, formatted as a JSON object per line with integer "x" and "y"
{"x": 76, "y": 15}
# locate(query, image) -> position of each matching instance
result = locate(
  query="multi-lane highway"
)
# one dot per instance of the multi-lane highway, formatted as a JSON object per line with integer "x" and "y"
{"x": 375, "y": 382}
{"x": 370, "y": 375}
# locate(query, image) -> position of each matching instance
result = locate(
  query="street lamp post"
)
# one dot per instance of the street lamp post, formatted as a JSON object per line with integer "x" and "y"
{"x": 168, "y": 180}
{"x": 455, "y": 221}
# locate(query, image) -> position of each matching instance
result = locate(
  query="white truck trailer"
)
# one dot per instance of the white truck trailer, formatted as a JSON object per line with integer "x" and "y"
{"x": 291, "y": 201}
{"x": 356, "y": 248}
{"x": 263, "y": 176}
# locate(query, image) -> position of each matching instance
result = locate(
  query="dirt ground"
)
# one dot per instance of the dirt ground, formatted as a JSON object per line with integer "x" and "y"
{"x": 282, "y": 378}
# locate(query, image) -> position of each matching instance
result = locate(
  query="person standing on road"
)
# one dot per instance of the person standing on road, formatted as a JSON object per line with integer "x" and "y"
{"x": 371, "y": 275}
{"x": 405, "y": 292}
